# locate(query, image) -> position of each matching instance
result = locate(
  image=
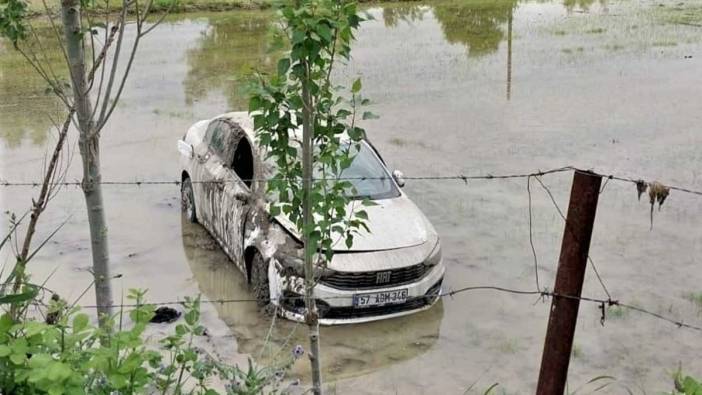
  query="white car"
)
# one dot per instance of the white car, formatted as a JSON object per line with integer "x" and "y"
{"x": 394, "y": 270}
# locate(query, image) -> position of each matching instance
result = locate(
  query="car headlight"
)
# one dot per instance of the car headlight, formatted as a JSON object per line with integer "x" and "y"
{"x": 293, "y": 264}
{"x": 435, "y": 255}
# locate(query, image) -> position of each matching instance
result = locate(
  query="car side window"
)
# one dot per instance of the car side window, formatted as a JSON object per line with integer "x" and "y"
{"x": 215, "y": 137}
{"x": 243, "y": 164}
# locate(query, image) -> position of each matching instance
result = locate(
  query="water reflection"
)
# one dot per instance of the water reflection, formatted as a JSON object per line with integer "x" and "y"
{"x": 395, "y": 13}
{"x": 582, "y": 5}
{"x": 478, "y": 25}
{"x": 25, "y": 106}
{"x": 348, "y": 350}
{"x": 227, "y": 52}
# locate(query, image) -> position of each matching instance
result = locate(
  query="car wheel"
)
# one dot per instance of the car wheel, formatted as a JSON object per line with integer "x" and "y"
{"x": 188, "y": 200}
{"x": 259, "y": 280}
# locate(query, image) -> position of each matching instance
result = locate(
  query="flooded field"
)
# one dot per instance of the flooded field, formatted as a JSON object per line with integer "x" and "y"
{"x": 462, "y": 87}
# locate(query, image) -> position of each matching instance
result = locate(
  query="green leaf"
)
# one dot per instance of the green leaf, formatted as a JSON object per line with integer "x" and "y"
{"x": 80, "y": 322}
{"x": 324, "y": 32}
{"x": 356, "y": 87}
{"x": 29, "y": 294}
{"x": 5, "y": 323}
{"x": 5, "y": 350}
{"x": 39, "y": 361}
{"x": 118, "y": 381}
{"x": 32, "y": 328}
{"x": 283, "y": 66}
{"x": 18, "y": 359}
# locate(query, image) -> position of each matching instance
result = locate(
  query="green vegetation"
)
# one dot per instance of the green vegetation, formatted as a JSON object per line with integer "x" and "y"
{"x": 577, "y": 351}
{"x": 226, "y": 56}
{"x": 394, "y": 13}
{"x": 694, "y": 297}
{"x": 36, "y": 7}
{"x": 68, "y": 355}
{"x": 686, "y": 385}
{"x": 308, "y": 186}
{"x": 664, "y": 44}
{"x": 680, "y": 14}
{"x": 475, "y": 24}
{"x": 617, "y": 312}
{"x": 509, "y": 346}
{"x": 20, "y": 90}
{"x": 598, "y": 30}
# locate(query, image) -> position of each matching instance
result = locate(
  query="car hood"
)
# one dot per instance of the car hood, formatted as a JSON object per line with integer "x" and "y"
{"x": 393, "y": 223}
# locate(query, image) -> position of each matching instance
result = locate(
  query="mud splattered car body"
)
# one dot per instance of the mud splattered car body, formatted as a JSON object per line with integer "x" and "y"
{"x": 394, "y": 270}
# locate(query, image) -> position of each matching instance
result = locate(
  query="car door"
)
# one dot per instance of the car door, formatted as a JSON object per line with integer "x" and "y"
{"x": 210, "y": 175}
{"x": 231, "y": 205}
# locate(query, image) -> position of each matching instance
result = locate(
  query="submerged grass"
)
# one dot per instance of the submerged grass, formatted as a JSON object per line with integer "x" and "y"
{"x": 36, "y": 7}
{"x": 694, "y": 297}
{"x": 617, "y": 312}
{"x": 681, "y": 14}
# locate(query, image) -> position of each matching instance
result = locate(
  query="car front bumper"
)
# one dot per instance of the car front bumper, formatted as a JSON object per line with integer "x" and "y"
{"x": 335, "y": 306}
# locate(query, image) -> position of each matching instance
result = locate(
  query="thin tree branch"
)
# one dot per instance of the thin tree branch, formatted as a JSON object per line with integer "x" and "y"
{"x": 59, "y": 36}
{"x": 115, "y": 61}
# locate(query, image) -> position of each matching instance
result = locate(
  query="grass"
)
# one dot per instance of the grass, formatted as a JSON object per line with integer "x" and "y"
{"x": 664, "y": 44}
{"x": 509, "y": 346}
{"x": 36, "y": 7}
{"x": 617, "y": 313}
{"x": 398, "y": 142}
{"x": 679, "y": 14}
{"x": 577, "y": 352}
{"x": 694, "y": 297}
{"x": 597, "y": 30}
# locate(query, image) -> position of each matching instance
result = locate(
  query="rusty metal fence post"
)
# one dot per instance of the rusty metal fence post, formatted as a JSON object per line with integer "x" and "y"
{"x": 569, "y": 282}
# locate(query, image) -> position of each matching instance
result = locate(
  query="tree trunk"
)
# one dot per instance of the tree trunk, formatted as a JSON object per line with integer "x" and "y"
{"x": 311, "y": 318}
{"x": 89, "y": 144}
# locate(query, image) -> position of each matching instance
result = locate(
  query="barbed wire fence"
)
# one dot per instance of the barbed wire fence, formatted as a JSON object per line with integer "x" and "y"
{"x": 452, "y": 177}
{"x": 465, "y": 178}
{"x": 541, "y": 293}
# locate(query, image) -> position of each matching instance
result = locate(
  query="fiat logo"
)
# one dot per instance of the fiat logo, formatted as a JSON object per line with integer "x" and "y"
{"x": 382, "y": 277}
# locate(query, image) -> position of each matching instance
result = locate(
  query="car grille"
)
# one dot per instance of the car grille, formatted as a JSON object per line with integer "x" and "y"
{"x": 413, "y": 304}
{"x": 383, "y": 278}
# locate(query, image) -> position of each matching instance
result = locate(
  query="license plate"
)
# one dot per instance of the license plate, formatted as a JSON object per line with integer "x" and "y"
{"x": 380, "y": 298}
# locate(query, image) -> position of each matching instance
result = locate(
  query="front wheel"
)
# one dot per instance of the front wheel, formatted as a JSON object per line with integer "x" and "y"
{"x": 188, "y": 200}
{"x": 259, "y": 280}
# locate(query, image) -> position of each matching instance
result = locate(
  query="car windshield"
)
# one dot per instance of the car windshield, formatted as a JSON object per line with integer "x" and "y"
{"x": 368, "y": 176}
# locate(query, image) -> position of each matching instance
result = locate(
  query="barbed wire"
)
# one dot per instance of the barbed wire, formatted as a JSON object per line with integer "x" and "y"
{"x": 635, "y": 181}
{"x": 565, "y": 220}
{"x": 601, "y": 302}
{"x": 452, "y": 177}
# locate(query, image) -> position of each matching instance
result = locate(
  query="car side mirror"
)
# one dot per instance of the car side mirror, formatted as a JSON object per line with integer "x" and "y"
{"x": 399, "y": 178}
{"x": 242, "y": 195}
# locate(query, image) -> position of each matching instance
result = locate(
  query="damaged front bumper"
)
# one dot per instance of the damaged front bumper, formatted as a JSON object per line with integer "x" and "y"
{"x": 335, "y": 306}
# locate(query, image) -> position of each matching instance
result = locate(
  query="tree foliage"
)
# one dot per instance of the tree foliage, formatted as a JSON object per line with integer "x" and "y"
{"x": 68, "y": 356}
{"x": 318, "y": 33}
{"x": 12, "y": 20}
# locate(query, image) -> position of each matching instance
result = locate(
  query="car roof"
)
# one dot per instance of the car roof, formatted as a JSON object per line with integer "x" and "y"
{"x": 244, "y": 120}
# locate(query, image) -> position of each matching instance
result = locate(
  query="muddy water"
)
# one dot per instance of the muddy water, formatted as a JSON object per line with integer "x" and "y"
{"x": 462, "y": 87}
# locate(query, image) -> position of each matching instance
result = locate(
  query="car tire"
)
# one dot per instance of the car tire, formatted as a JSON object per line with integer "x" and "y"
{"x": 259, "y": 280}
{"x": 188, "y": 200}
